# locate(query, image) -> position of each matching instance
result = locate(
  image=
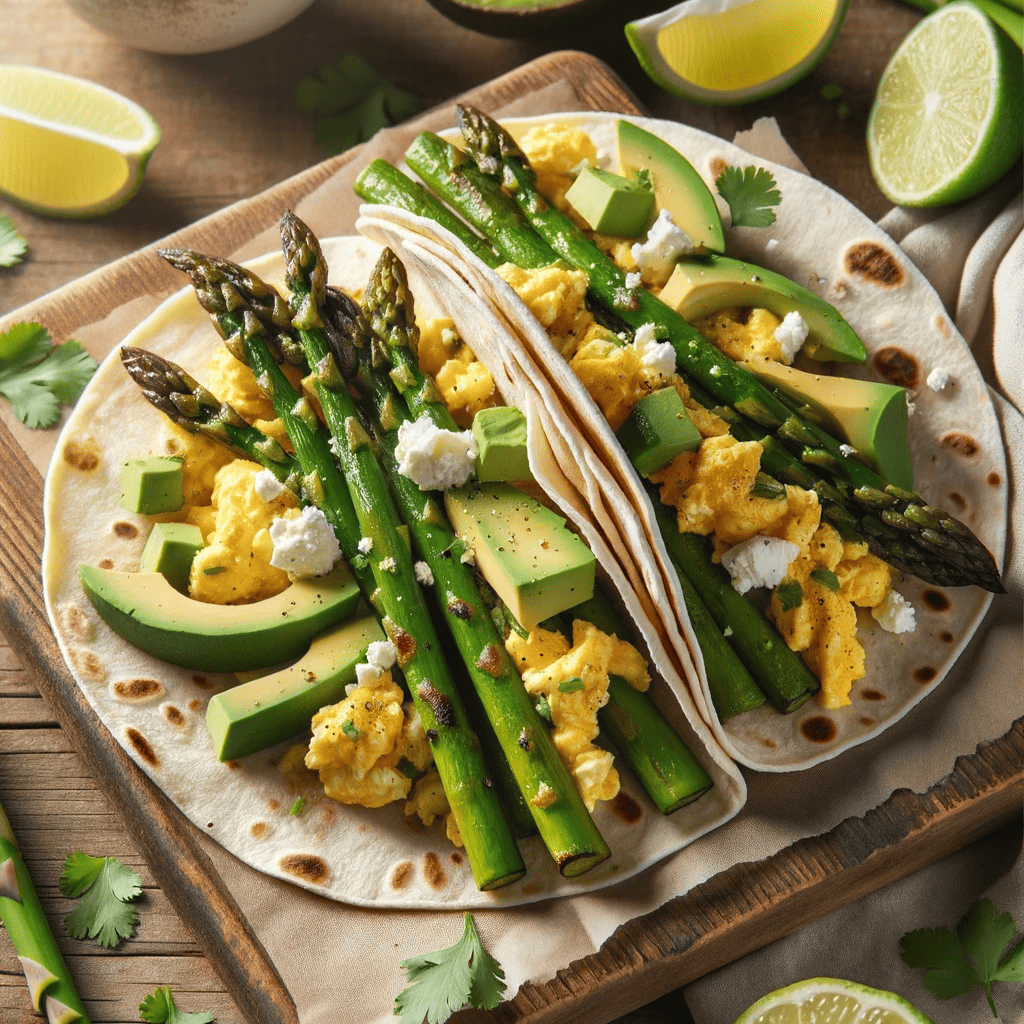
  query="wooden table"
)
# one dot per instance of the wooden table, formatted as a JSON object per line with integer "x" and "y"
{"x": 230, "y": 130}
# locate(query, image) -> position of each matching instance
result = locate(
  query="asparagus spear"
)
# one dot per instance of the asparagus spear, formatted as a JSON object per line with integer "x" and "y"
{"x": 555, "y": 804}
{"x": 358, "y": 505}
{"x": 957, "y": 556}
{"x": 49, "y": 981}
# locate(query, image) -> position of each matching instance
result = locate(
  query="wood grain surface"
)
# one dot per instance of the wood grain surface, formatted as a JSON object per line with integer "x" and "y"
{"x": 231, "y": 132}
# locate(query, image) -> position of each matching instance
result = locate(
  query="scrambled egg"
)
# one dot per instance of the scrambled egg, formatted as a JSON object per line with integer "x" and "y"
{"x": 234, "y": 565}
{"x": 464, "y": 382}
{"x": 743, "y": 333}
{"x": 429, "y": 802}
{"x": 573, "y": 679}
{"x": 556, "y": 152}
{"x": 359, "y": 744}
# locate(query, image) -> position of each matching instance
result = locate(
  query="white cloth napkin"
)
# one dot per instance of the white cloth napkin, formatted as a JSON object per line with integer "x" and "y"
{"x": 973, "y": 254}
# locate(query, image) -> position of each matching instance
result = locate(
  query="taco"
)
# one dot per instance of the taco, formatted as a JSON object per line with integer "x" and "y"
{"x": 873, "y": 676}
{"x": 269, "y": 807}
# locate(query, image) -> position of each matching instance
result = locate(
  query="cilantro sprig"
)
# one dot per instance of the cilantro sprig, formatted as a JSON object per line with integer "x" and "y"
{"x": 973, "y": 955}
{"x": 751, "y": 194}
{"x": 441, "y": 983}
{"x": 37, "y": 377}
{"x": 158, "y": 1008}
{"x": 107, "y": 888}
{"x": 351, "y": 102}
{"x": 12, "y": 245}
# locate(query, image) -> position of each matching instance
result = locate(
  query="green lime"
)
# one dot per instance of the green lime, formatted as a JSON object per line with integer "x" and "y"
{"x": 734, "y": 51}
{"x": 51, "y": 123}
{"x": 947, "y": 120}
{"x": 831, "y": 1001}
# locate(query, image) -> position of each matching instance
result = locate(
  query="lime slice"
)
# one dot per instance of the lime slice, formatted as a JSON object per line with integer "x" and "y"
{"x": 71, "y": 148}
{"x": 947, "y": 119}
{"x": 831, "y": 1001}
{"x": 734, "y": 51}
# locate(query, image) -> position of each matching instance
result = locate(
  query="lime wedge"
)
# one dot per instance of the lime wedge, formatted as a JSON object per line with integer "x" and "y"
{"x": 947, "y": 120}
{"x": 734, "y": 51}
{"x": 71, "y": 148}
{"x": 831, "y": 1001}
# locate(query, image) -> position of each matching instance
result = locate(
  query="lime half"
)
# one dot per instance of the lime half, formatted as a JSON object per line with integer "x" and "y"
{"x": 947, "y": 120}
{"x": 831, "y": 1001}
{"x": 734, "y": 51}
{"x": 71, "y": 148}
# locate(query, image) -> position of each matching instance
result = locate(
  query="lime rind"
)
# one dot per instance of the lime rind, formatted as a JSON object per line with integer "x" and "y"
{"x": 830, "y": 997}
{"x": 955, "y": 149}
{"x": 642, "y": 36}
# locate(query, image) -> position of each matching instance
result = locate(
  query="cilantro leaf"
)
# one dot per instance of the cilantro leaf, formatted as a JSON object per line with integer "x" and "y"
{"x": 158, "y": 1008}
{"x": 37, "y": 377}
{"x": 350, "y": 102}
{"x": 973, "y": 955}
{"x": 751, "y": 194}
{"x": 441, "y": 983}
{"x": 106, "y": 887}
{"x": 12, "y": 245}
{"x": 790, "y": 594}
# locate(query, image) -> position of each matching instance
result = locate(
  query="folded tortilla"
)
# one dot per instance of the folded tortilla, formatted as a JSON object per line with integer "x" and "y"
{"x": 155, "y": 711}
{"x": 823, "y": 242}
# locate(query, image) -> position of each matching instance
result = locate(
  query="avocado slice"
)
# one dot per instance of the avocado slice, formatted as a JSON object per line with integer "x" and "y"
{"x": 700, "y": 287}
{"x": 678, "y": 187}
{"x": 871, "y": 416}
{"x": 144, "y": 609}
{"x": 152, "y": 484}
{"x": 170, "y": 550}
{"x": 500, "y": 435}
{"x": 657, "y": 429}
{"x": 533, "y": 561}
{"x": 610, "y": 203}
{"x": 261, "y": 712}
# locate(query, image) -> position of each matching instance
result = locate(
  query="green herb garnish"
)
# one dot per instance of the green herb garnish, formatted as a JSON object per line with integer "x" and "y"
{"x": 441, "y": 983}
{"x": 973, "y": 955}
{"x": 107, "y": 888}
{"x": 543, "y": 708}
{"x": 350, "y": 729}
{"x": 751, "y": 194}
{"x": 158, "y": 1008}
{"x": 37, "y": 377}
{"x": 351, "y": 102}
{"x": 297, "y": 808}
{"x": 571, "y": 685}
{"x": 12, "y": 245}
{"x": 789, "y": 594}
{"x": 826, "y": 577}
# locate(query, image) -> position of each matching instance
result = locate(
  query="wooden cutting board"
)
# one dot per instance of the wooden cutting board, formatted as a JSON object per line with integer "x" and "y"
{"x": 736, "y": 911}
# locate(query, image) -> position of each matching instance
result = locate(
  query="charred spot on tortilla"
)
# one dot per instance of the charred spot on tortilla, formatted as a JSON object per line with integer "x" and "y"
{"x": 716, "y": 165}
{"x": 460, "y": 609}
{"x": 872, "y": 695}
{"x": 994, "y": 479}
{"x": 83, "y": 456}
{"x": 958, "y": 499}
{"x": 106, "y": 563}
{"x": 456, "y": 858}
{"x": 202, "y": 682}
{"x": 626, "y": 808}
{"x": 439, "y": 703}
{"x": 870, "y": 262}
{"x": 142, "y": 747}
{"x": 819, "y": 729}
{"x": 925, "y": 674}
{"x": 75, "y": 621}
{"x": 136, "y": 691}
{"x": 401, "y": 874}
{"x": 195, "y": 706}
{"x": 124, "y": 530}
{"x": 898, "y": 367}
{"x": 175, "y": 716}
{"x": 946, "y": 637}
{"x": 87, "y": 665}
{"x": 960, "y": 443}
{"x": 943, "y": 325}
{"x": 307, "y": 866}
{"x": 936, "y": 600}
{"x": 434, "y": 872}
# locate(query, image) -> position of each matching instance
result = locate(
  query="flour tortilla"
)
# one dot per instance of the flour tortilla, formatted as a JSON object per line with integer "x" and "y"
{"x": 155, "y": 711}
{"x": 824, "y": 243}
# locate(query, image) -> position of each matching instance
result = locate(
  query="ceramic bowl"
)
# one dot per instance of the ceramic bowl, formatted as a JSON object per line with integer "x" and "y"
{"x": 518, "y": 18}
{"x": 187, "y": 26}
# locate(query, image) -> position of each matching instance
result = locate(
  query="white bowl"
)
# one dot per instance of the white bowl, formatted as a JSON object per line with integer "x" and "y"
{"x": 187, "y": 26}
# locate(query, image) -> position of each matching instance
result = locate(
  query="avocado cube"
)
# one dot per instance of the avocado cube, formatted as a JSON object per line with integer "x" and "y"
{"x": 170, "y": 549}
{"x": 264, "y": 711}
{"x": 657, "y": 430}
{"x": 610, "y": 203}
{"x": 500, "y": 435}
{"x": 153, "y": 484}
{"x": 526, "y": 553}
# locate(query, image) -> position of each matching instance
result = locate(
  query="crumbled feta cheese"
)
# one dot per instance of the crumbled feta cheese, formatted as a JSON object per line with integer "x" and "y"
{"x": 365, "y": 545}
{"x": 911, "y": 406}
{"x": 848, "y": 450}
{"x": 771, "y": 245}
{"x": 306, "y": 545}
{"x": 664, "y": 244}
{"x": 895, "y": 614}
{"x": 759, "y": 562}
{"x": 938, "y": 378}
{"x": 423, "y": 574}
{"x": 433, "y": 458}
{"x": 633, "y": 280}
{"x": 388, "y": 564}
{"x": 268, "y": 487}
{"x": 791, "y": 334}
{"x": 655, "y": 355}
{"x": 381, "y": 656}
